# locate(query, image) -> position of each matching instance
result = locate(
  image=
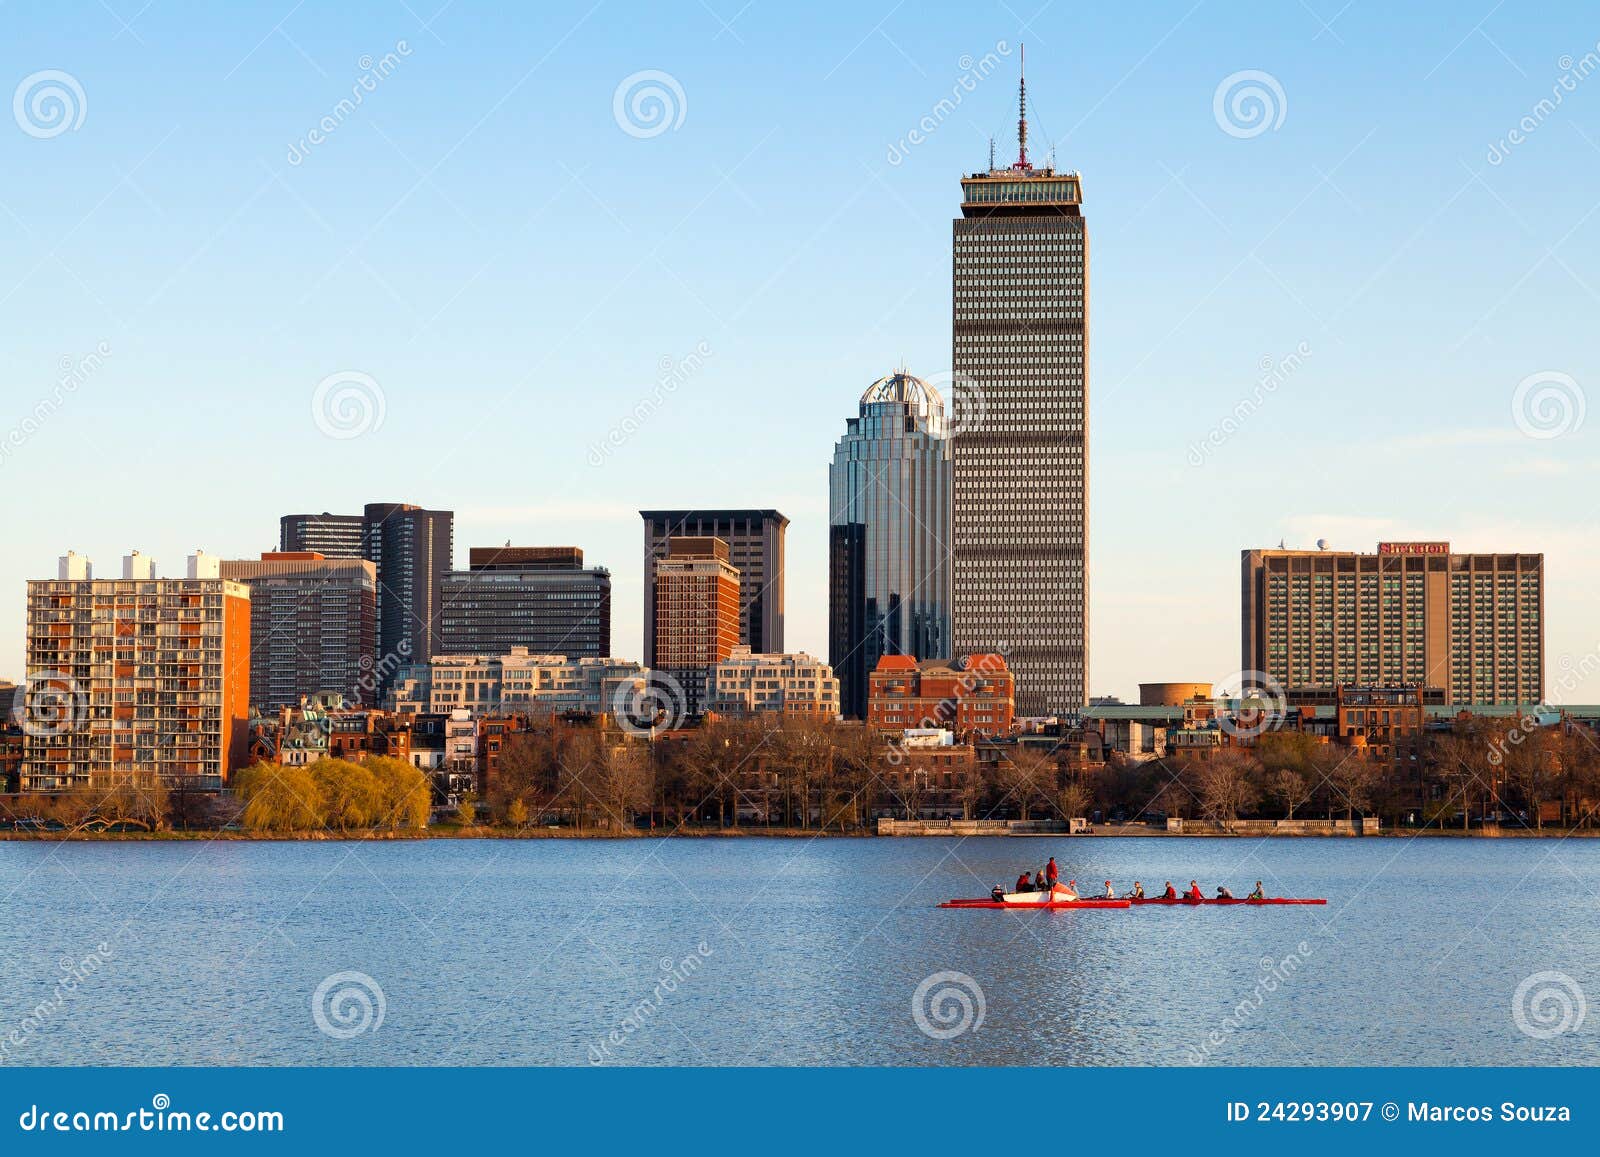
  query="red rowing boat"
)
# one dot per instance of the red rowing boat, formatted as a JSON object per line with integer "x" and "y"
{"x": 1220, "y": 900}
{"x": 1052, "y": 904}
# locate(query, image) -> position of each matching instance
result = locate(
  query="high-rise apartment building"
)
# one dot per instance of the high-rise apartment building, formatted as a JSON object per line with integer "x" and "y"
{"x": 1020, "y": 395}
{"x": 541, "y": 598}
{"x": 889, "y": 534}
{"x": 696, "y": 607}
{"x": 135, "y": 676}
{"x": 755, "y": 549}
{"x": 313, "y": 626}
{"x": 1469, "y": 626}
{"x": 412, "y": 550}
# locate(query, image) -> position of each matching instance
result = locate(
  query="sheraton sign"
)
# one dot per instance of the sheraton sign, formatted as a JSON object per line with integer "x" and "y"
{"x": 1413, "y": 548}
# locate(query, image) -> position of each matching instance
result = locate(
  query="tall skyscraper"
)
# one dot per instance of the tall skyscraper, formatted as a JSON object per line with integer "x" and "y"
{"x": 411, "y": 548}
{"x": 889, "y": 535}
{"x": 696, "y": 606}
{"x": 1469, "y": 627}
{"x": 313, "y": 626}
{"x": 135, "y": 675}
{"x": 1020, "y": 357}
{"x": 540, "y": 598}
{"x": 755, "y": 549}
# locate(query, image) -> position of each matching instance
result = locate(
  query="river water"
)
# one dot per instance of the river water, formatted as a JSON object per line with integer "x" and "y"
{"x": 793, "y": 952}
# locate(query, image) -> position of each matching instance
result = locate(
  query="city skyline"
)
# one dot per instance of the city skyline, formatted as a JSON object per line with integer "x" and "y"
{"x": 1215, "y": 258}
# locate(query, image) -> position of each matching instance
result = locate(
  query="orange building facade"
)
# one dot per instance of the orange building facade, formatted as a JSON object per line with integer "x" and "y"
{"x": 975, "y": 695}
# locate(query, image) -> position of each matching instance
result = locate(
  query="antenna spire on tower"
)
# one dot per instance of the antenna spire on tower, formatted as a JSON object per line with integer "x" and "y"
{"x": 1022, "y": 111}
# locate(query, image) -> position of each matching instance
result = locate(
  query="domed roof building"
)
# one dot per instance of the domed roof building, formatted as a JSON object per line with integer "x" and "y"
{"x": 889, "y": 534}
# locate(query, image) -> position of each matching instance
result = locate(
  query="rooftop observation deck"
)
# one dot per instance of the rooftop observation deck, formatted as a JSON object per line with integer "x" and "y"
{"x": 1021, "y": 192}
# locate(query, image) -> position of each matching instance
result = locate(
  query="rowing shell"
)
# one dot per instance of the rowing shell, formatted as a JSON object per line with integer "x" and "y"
{"x": 1036, "y": 904}
{"x": 1219, "y": 900}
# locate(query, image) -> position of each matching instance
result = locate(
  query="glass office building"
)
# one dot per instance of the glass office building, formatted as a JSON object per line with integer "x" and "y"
{"x": 889, "y": 535}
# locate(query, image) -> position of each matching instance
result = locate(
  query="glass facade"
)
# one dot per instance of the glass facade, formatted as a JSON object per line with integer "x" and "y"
{"x": 889, "y": 535}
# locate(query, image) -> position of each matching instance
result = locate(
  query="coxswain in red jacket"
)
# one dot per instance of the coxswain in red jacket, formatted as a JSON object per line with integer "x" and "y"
{"x": 1024, "y": 883}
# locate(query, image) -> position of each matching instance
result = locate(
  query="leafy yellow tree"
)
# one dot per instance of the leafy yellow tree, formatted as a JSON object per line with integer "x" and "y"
{"x": 404, "y": 798}
{"x": 278, "y": 798}
{"x": 350, "y": 793}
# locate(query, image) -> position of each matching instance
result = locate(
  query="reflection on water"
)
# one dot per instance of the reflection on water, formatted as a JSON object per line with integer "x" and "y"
{"x": 756, "y": 951}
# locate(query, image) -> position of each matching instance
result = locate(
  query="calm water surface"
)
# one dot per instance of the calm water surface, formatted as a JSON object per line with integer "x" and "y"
{"x": 801, "y": 952}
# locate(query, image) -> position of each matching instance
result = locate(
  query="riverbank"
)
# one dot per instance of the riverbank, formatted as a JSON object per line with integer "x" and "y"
{"x": 452, "y": 832}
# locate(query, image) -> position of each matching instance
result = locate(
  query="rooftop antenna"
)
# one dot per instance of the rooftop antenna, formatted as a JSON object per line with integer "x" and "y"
{"x": 991, "y": 154}
{"x": 1022, "y": 111}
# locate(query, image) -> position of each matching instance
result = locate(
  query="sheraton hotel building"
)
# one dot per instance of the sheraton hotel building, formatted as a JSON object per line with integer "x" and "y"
{"x": 1465, "y": 628}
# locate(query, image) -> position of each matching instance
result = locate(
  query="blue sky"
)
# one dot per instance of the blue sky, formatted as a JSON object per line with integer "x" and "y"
{"x": 482, "y": 239}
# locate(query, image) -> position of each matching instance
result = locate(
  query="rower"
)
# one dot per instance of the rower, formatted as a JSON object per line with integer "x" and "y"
{"x": 1171, "y": 893}
{"x": 1110, "y": 892}
{"x": 1194, "y": 892}
{"x": 1039, "y": 884}
{"x": 1223, "y": 893}
{"x": 1024, "y": 884}
{"x": 997, "y": 893}
{"x": 1138, "y": 891}
{"x": 1259, "y": 894}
